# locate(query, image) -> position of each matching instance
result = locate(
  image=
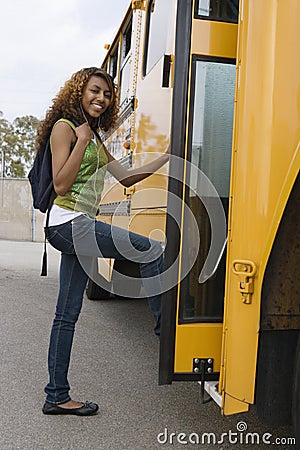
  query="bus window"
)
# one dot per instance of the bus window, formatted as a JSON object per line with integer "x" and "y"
{"x": 210, "y": 151}
{"x": 126, "y": 40}
{"x": 125, "y": 62}
{"x": 113, "y": 64}
{"x": 222, "y": 10}
{"x": 157, "y": 20}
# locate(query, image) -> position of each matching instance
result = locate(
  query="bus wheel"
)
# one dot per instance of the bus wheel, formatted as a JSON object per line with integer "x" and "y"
{"x": 96, "y": 292}
{"x": 296, "y": 396}
{"x": 93, "y": 290}
{"x": 274, "y": 379}
{"x": 131, "y": 284}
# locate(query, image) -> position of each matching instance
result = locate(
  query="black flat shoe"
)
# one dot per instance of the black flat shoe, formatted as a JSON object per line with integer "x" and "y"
{"x": 87, "y": 409}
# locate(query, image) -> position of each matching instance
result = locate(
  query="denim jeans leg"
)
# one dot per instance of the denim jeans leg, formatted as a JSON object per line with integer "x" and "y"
{"x": 72, "y": 284}
{"x": 95, "y": 238}
{"x": 148, "y": 271}
{"x": 89, "y": 238}
{"x": 124, "y": 244}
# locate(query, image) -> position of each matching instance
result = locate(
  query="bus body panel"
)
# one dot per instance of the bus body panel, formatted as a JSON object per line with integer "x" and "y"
{"x": 144, "y": 132}
{"x": 197, "y": 341}
{"x": 153, "y": 112}
{"x": 206, "y": 38}
{"x": 264, "y": 167}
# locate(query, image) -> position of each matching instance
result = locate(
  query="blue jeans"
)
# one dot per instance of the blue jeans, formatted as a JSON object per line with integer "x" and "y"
{"x": 79, "y": 241}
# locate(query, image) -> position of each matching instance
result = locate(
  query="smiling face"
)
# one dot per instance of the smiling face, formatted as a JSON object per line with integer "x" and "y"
{"x": 96, "y": 96}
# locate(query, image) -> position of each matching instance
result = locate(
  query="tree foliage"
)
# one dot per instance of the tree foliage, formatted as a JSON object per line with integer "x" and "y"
{"x": 17, "y": 145}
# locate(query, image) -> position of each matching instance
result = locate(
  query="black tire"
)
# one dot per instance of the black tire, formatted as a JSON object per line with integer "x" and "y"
{"x": 96, "y": 292}
{"x": 121, "y": 286}
{"x": 296, "y": 397}
{"x": 275, "y": 371}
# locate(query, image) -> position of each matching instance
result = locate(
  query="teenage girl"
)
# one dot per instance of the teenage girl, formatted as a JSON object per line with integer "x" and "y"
{"x": 86, "y": 104}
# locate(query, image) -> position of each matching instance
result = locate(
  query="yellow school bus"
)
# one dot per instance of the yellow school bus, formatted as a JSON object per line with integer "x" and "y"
{"x": 221, "y": 80}
{"x": 142, "y": 131}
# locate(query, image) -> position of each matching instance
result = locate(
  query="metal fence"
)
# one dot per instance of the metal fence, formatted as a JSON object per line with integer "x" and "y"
{"x": 18, "y": 219}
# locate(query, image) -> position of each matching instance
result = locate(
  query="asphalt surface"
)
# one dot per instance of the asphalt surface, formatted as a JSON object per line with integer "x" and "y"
{"x": 114, "y": 363}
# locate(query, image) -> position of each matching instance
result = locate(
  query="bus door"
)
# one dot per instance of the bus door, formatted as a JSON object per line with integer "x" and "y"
{"x": 201, "y": 139}
{"x": 266, "y": 165}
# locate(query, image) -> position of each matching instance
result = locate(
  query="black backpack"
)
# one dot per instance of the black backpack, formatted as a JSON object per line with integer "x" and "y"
{"x": 42, "y": 188}
{"x": 41, "y": 180}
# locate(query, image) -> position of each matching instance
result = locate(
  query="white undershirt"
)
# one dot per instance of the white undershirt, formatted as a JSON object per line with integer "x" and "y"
{"x": 59, "y": 215}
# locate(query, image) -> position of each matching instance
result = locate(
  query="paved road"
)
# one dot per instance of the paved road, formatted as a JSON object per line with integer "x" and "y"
{"x": 114, "y": 362}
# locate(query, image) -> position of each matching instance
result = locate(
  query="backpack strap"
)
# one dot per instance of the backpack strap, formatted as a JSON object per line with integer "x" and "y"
{"x": 44, "y": 271}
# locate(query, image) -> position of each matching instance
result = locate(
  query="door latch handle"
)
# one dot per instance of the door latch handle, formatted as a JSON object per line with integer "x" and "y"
{"x": 246, "y": 271}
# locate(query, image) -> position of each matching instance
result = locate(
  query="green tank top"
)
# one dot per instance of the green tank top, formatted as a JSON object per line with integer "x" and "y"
{"x": 85, "y": 193}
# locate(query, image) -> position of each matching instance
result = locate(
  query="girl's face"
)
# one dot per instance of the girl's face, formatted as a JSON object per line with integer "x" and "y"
{"x": 96, "y": 96}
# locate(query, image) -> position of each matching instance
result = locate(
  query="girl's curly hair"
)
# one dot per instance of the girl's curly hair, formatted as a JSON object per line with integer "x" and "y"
{"x": 67, "y": 105}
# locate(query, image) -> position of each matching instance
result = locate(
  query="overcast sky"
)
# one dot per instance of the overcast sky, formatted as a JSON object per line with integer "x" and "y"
{"x": 44, "y": 41}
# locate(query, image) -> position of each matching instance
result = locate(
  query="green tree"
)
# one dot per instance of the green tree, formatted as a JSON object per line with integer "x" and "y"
{"x": 7, "y": 142}
{"x": 17, "y": 145}
{"x": 25, "y": 130}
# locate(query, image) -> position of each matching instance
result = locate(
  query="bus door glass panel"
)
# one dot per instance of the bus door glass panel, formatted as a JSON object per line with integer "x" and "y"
{"x": 223, "y": 10}
{"x": 125, "y": 63}
{"x": 157, "y": 28}
{"x": 210, "y": 151}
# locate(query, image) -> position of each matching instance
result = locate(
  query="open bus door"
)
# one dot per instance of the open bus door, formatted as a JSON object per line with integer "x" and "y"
{"x": 201, "y": 134}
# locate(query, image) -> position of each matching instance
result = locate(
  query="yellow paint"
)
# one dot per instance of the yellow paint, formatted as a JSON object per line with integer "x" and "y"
{"x": 214, "y": 38}
{"x": 138, "y": 4}
{"x": 264, "y": 167}
{"x": 149, "y": 223}
{"x": 233, "y": 406}
{"x": 197, "y": 341}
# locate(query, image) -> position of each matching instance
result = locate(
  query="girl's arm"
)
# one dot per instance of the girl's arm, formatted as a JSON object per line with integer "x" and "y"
{"x": 128, "y": 177}
{"x": 65, "y": 165}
